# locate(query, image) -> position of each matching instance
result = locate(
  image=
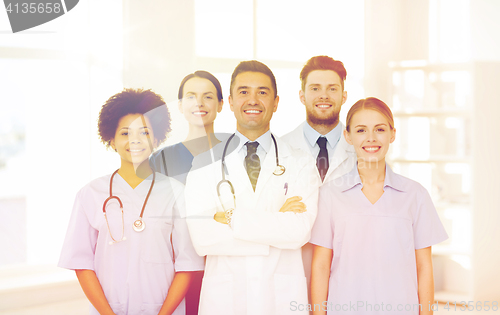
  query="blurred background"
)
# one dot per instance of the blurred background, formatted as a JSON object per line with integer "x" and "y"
{"x": 435, "y": 62}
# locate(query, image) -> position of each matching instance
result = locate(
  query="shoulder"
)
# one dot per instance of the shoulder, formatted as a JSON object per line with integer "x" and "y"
{"x": 294, "y": 136}
{"x": 404, "y": 183}
{"x": 341, "y": 183}
{"x": 167, "y": 182}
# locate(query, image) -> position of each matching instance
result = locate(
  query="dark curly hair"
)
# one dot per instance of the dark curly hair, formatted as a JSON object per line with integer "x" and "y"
{"x": 134, "y": 101}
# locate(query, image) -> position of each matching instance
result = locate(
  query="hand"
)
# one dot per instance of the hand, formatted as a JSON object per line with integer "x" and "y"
{"x": 293, "y": 204}
{"x": 220, "y": 217}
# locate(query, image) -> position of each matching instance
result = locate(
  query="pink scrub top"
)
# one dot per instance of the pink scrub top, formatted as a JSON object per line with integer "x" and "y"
{"x": 373, "y": 269}
{"x": 136, "y": 273}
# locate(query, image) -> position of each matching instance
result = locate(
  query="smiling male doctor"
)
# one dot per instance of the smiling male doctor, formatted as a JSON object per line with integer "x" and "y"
{"x": 320, "y": 136}
{"x": 253, "y": 246}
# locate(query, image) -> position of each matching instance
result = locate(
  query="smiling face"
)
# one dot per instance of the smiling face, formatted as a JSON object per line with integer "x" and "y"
{"x": 253, "y": 103}
{"x": 134, "y": 139}
{"x": 323, "y": 97}
{"x": 199, "y": 102}
{"x": 370, "y": 134}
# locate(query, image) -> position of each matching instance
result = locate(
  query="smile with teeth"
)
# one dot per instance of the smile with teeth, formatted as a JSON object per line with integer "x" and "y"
{"x": 323, "y": 105}
{"x": 200, "y": 113}
{"x": 135, "y": 150}
{"x": 371, "y": 149}
{"x": 252, "y": 111}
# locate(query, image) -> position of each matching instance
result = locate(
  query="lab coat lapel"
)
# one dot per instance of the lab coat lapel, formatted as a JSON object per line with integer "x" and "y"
{"x": 269, "y": 165}
{"x": 237, "y": 173}
{"x": 340, "y": 154}
{"x": 297, "y": 139}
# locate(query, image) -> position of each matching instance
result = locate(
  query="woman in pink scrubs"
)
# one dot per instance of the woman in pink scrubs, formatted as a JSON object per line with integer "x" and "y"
{"x": 374, "y": 230}
{"x": 139, "y": 259}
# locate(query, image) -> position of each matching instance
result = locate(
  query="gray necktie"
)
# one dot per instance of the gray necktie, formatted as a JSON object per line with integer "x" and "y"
{"x": 252, "y": 163}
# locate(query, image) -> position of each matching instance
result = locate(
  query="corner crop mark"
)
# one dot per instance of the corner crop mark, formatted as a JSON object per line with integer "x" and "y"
{"x": 26, "y": 14}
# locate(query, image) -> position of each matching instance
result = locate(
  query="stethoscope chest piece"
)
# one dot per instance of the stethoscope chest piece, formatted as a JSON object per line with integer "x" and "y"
{"x": 279, "y": 170}
{"x": 139, "y": 225}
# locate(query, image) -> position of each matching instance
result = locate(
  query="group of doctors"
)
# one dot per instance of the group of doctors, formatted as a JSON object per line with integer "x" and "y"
{"x": 267, "y": 218}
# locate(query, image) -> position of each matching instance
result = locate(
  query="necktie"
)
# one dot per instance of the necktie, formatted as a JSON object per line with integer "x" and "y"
{"x": 322, "y": 160}
{"x": 252, "y": 163}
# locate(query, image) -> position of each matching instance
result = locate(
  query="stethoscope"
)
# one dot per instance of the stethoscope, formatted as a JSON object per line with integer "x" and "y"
{"x": 225, "y": 185}
{"x": 139, "y": 225}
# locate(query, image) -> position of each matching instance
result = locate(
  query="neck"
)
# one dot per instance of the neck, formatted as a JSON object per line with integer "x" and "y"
{"x": 134, "y": 172}
{"x": 252, "y": 135}
{"x": 201, "y": 144}
{"x": 323, "y": 129}
{"x": 371, "y": 171}
{"x": 196, "y": 132}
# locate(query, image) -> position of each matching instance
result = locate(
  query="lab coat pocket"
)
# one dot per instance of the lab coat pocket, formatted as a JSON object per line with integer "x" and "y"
{"x": 290, "y": 292}
{"x": 157, "y": 247}
{"x": 217, "y": 295}
{"x": 150, "y": 309}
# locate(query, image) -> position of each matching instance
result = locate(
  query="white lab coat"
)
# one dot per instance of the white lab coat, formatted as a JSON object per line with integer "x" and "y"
{"x": 341, "y": 163}
{"x": 255, "y": 267}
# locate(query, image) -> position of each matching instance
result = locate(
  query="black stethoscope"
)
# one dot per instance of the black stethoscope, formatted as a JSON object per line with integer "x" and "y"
{"x": 139, "y": 225}
{"x": 225, "y": 185}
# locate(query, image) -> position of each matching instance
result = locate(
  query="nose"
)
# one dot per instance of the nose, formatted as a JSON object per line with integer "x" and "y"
{"x": 324, "y": 95}
{"x": 199, "y": 101}
{"x": 253, "y": 99}
{"x": 134, "y": 138}
{"x": 371, "y": 136}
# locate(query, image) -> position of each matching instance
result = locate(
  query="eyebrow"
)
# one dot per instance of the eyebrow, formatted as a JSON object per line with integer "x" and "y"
{"x": 127, "y": 128}
{"x": 317, "y": 84}
{"x": 247, "y": 87}
{"x": 383, "y": 124}
{"x": 209, "y": 92}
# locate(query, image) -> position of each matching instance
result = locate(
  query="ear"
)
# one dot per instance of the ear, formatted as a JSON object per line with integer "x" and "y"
{"x": 179, "y": 105}
{"x": 112, "y": 144}
{"x": 230, "y": 100}
{"x": 302, "y": 97}
{"x": 276, "y": 101}
{"x": 347, "y": 137}
{"x": 344, "y": 97}
{"x": 219, "y": 107}
{"x": 393, "y": 132}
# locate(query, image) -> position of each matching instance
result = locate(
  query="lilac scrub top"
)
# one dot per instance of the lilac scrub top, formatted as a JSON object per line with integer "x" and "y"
{"x": 136, "y": 273}
{"x": 373, "y": 269}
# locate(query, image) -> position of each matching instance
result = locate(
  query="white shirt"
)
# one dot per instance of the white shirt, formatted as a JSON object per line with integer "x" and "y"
{"x": 333, "y": 137}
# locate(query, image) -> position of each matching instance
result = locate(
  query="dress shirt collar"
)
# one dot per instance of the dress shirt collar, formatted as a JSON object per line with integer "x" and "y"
{"x": 264, "y": 141}
{"x": 352, "y": 179}
{"x": 332, "y": 137}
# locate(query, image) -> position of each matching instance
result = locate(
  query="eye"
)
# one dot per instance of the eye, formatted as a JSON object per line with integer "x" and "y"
{"x": 314, "y": 89}
{"x": 190, "y": 97}
{"x": 208, "y": 97}
{"x": 360, "y": 130}
{"x": 333, "y": 89}
{"x": 146, "y": 133}
{"x": 243, "y": 92}
{"x": 380, "y": 129}
{"x": 262, "y": 92}
{"x": 125, "y": 133}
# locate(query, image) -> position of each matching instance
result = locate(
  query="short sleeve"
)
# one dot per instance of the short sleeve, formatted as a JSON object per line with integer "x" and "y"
{"x": 81, "y": 239}
{"x": 185, "y": 256}
{"x": 322, "y": 232}
{"x": 427, "y": 227}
